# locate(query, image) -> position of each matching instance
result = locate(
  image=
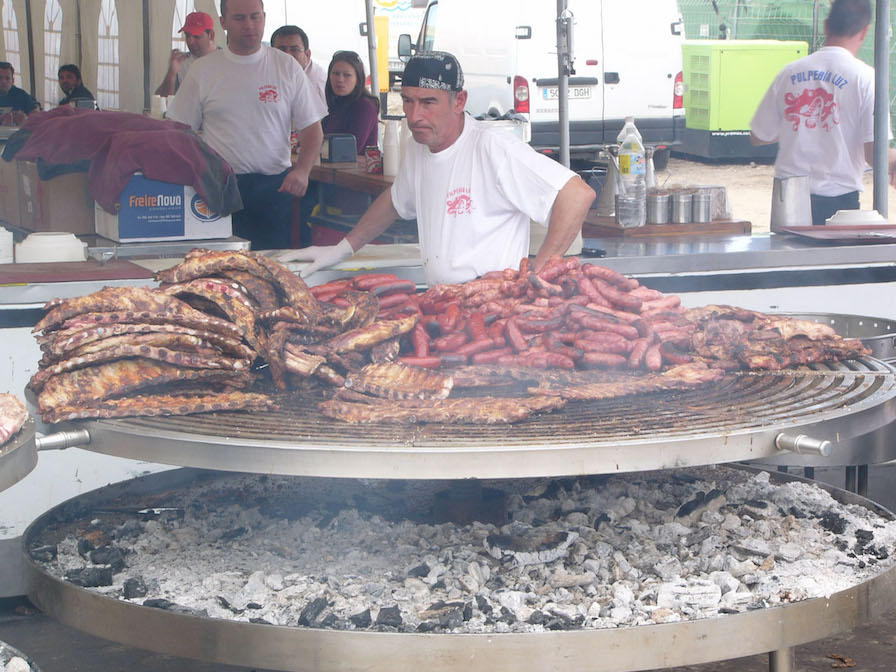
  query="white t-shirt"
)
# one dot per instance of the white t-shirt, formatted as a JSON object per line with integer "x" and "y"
{"x": 820, "y": 109}
{"x": 318, "y": 77}
{"x": 473, "y": 201}
{"x": 245, "y": 107}
{"x": 181, "y": 75}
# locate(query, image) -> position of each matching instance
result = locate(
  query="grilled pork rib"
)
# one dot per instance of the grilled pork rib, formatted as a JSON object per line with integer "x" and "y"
{"x": 479, "y": 411}
{"x": 13, "y": 415}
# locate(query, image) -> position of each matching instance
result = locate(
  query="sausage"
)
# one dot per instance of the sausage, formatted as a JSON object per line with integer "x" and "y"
{"x": 645, "y": 331}
{"x": 337, "y": 286}
{"x": 653, "y": 358}
{"x": 474, "y": 347}
{"x": 394, "y": 287}
{"x": 339, "y": 301}
{"x": 588, "y": 290}
{"x": 453, "y": 359}
{"x": 476, "y": 326}
{"x": 557, "y": 266}
{"x": 451, "y": 315}
{"x": 534, "y": 325}
{"x": 510, "y": 273}
{"x": 603, "y": 360}
{"x": 611, "y": 276}
{"x": 490, "y": 356}
{"x": 672, "y": 355}
{"x": 393, "y": 300}
{"x": 544, "y": 287}
{"x": 597, "y": 324}
{"x": 420, "y": 341}
{"x": 556, "y": 345}
{"x": 615, "y": 347}
{"x": 422, "y": 362}
{"x": 622, "y": 315}
{"x": 474, "y": 287}
{"x": 492, "y": 275}
{"x": 525, "y": 266}
{"x": 538, "y": 360}
{"x": 666, "y": 303}
{"x": 368, "y": 281}
{"x": 636, "y": 358}
{"x": 514, "y": 336}
{"x": 617, "y": 297}
{"x": 647, "y": 294}
{"x": 450, "y": 342}
{"x": 496, "y": 330}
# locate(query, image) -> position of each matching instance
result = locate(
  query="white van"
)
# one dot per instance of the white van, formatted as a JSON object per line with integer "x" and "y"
{"x": 627, "y": 62}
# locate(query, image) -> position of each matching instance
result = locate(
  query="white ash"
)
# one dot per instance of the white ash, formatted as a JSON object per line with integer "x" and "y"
{"x": 12, "y": 661}
{"x": 636, "y": 549}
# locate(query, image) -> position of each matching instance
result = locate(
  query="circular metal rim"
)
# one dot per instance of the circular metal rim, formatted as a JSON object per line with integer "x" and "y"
{"x": 882, "y": 345}
{"x": 494, "y": 459}
{"x": 15, "y": 652}
{"x": 18, "y": 458}
{"x": 626, "y": 649}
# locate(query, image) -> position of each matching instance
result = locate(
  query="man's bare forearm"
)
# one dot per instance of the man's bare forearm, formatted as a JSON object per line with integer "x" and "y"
{"x": 567, "y": 215}
{"x": 379, "y": 216}
{"x": 310, "y": 139}
{"x": 166, "y": 88}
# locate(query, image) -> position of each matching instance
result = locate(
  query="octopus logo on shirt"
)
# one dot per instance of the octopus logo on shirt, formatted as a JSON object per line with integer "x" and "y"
{"x": 268, "y": 93}
{"x": 814, "y": 107}
{"x": 459, "y": 202}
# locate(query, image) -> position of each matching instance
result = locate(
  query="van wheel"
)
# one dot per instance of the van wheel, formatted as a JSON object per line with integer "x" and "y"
{"x": 661, "y": 158}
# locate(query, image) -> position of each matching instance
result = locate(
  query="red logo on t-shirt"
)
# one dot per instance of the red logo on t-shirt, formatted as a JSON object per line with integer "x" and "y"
{"x": 459, "y": 205}
{"x": 815, "y": 106}
{"x": 268, "y": 93}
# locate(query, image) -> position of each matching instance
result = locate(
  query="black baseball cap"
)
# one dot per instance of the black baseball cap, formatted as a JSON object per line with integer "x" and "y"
{"x": 433, "y": 70}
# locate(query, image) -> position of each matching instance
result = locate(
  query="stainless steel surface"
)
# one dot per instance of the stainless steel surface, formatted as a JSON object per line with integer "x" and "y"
{"x": 803, "y": 445}
{"x": 103, "y": 249}
{"x": 735, "y": 420}
{"x": 780, "y": 660}
{"x": 790, "y": 202}
{"x": 606, "y": 201}
{"x": 701, "y": 207}
{"x": 608, "y": 650}
{"x": 682, "y": 207}
{"x": 8, "y": 651}
{"x": 658, "y": 208}
{"x": 18, "y": 457}
{"x": 63, "y": 440}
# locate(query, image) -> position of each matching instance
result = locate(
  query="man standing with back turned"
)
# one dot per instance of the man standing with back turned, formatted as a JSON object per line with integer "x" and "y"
{"x": 245, "y": 99}
{"x": 820, "y": 109}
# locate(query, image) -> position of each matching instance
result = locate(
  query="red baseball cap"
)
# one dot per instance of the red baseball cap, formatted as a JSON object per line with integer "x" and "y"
{"x": 197, "y": 23}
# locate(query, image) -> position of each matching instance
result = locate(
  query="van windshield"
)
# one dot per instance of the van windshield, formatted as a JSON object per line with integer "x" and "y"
{"x": 429, "y": 27}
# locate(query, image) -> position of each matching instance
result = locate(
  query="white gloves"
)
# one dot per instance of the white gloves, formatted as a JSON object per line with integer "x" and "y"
{"x": 320, "y": 256}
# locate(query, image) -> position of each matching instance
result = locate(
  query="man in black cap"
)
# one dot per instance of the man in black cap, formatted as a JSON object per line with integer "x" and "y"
{"x": 472, "y": 188}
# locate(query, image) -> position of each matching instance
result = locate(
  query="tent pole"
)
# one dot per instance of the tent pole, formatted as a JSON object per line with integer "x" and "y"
{"x": 29, "y": 28}
{"x": 564, "y": 68}
{"x": 371, "y": 50}
{"x": 881, "y": 104}
{"x": 147, "y": 102}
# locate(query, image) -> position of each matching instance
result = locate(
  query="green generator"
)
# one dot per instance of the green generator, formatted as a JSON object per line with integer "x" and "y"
{"x": 724, "y": 82}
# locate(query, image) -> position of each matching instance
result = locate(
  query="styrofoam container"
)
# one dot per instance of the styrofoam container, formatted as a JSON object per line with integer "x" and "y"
{"x": 48, "y": 246}
{"x": 856, "y": 218}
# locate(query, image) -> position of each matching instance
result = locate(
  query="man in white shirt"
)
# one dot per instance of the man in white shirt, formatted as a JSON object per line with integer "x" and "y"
{"x": 245, "y": 99}
{"x": 199, "y": 34}
{"x": 820, "y": 111}
{"x": 292, "y": 40}
{"x": 472, "y": 188}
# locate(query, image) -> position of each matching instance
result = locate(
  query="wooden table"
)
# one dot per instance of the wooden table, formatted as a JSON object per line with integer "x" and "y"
{"x": 352, "y": 176}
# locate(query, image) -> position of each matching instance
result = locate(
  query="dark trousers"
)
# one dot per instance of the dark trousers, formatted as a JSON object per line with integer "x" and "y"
{"x": 824, "y": 207}
{"x": 266, "y": 217}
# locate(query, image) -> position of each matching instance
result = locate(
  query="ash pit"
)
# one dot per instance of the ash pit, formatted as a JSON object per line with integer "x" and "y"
{"x": 516, "y": 556}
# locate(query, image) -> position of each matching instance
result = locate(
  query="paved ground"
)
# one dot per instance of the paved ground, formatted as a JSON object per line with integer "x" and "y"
{"x": 57, "y": 648}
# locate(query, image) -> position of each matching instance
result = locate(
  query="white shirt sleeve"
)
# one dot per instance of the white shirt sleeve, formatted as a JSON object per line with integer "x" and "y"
{"x": 403, "y": 191}
{"x": 307, "y": 107}
{"x": 766, "y": 121}
{"x": 186, "y": 106}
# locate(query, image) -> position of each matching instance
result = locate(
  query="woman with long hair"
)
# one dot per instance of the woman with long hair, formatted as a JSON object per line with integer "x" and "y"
{"x": 353, "y": 109}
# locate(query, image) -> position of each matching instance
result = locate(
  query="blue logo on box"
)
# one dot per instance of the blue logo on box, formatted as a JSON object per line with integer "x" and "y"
{"x": 201, "y": 211}
{"x": 151, "y": 209}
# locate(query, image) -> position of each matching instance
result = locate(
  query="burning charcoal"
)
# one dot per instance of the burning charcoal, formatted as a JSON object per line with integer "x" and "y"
{"x": 312, "y": 610}
{"x": 158, "y": 603}
{"x": 253, "y": 605}
{"x": 128, "y": 530}
{"x": 535, "y": 618}
{"x": 507, "y": 616}
{"x": 450, "y": 620}
{"x": 84, "y": 547}
{"x": 259, "y": 621}
{"x": 468, "y": 611}
{"x": 390, "y": 616}
{"x": 796, "y": 513}
{"x": 419, "y": 571}
{"x": 224, "y": 603}
{"x": 230, "y": 535}
{"x": 710, "y": 501}
{"x": 427, "y": 626}
{"x": 833, "y": 522}
{"x": 108, "y": 555}
{"x": 483, "y": 605}
{"x": 329, "y": 620}
{"x": 44, "y": 553}
{"x": 361, "y": 620}
{"x": 134, "y": 587}
{"x": 90, "y": 577}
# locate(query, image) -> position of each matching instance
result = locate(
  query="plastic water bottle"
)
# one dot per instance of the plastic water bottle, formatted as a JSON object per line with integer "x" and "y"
{"x": 627, "y": 128}
{"x": 631, "y": 203}
{"x": 391, "y": 151}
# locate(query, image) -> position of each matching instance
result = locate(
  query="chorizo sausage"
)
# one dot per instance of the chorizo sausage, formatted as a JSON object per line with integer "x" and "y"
{"x": 368, "y": 281}
{"x": 653, "y": 358}
{"x": 617, "y": 297}
{"x": 609, "y": 275}
{"x": 603, "y": 360}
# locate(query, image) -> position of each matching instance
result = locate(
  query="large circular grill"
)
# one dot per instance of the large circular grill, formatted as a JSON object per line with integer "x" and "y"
{"x": 621, "y": 649}
{"x": 736, "y": 419}
{"x": 18, "y": 457}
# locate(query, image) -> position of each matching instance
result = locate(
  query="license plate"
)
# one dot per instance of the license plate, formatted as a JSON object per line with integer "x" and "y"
{"x": 575, "y": 93}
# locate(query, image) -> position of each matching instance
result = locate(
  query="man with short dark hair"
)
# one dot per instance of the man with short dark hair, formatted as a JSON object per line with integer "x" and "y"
{"x": 820, "y": 111}
{"x": 199, "y": 34}
{"x": 292, "y": 40}
{"x": 72, "y": 85}
{"x": 21, "y": 102}
{"x": 472, "y": 188}
{"x": 246, "y": 98}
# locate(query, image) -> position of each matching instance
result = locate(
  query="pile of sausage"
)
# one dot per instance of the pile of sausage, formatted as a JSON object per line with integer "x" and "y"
{"x": 568, "y": 315}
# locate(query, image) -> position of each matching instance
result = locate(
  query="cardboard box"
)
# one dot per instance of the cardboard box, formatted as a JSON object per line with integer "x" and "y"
{"x": 9, "y": 192}
{"x": 59, "y": 204}
{"x": 154, "y": 211}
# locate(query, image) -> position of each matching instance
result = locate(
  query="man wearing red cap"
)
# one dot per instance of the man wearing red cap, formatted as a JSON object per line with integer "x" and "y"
{"x": 199, "y": 34}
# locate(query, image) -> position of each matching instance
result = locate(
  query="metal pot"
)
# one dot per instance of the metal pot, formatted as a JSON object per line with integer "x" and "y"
{"x": 791, "y": 205}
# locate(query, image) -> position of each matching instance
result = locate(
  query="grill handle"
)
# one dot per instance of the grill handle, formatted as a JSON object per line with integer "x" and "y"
{"x": 63, "y": 440}
{"x": 803, "y": 445}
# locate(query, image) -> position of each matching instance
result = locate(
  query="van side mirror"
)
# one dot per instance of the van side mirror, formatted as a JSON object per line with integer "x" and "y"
{"x": 523, "y": 33}
{"x": 405, "y": 49}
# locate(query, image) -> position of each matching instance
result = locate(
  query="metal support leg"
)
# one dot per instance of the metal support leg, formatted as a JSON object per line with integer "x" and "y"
{"x": 809, "y": 472}
{"x": 862, "y": 481}
{"x": 780, "y": 660}
{"x": 851, "y": 479}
